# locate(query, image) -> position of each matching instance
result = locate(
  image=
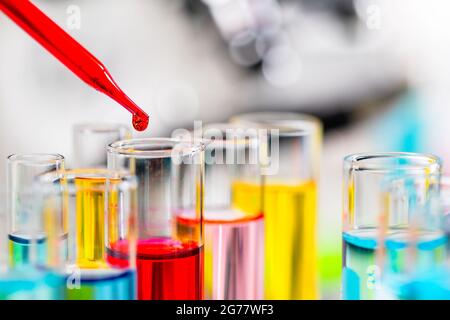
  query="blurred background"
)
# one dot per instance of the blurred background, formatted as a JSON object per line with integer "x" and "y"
{"x": 376, "y": 72}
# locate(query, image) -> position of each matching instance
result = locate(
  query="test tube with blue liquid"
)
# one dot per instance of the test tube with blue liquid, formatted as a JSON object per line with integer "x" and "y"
{"x": 445, "y": 209}
{"x": 23, "y": 171}
{"x": 98, "y": 207}
{"x": 376, "y": 213}
{"x": 33, "y": 267}
{"x": 415, "y": 264}
{"x": 24, "y": 283}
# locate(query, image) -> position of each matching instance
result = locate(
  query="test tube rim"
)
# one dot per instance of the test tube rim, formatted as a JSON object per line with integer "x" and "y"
{"x": 290, "y": 124}
{"x": 245, "y": 141}
{"x": 93, "y": 173}
{"x": 128, "y": 147}
{"x": 354, "y": 162}
{"x": 35, "y": 158}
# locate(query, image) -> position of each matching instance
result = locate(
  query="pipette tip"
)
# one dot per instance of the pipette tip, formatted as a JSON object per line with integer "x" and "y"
{"x": 140, "y": 123}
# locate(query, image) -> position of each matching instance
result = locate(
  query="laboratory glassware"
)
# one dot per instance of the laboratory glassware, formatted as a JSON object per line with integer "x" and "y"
{"x": 170, "y": 188}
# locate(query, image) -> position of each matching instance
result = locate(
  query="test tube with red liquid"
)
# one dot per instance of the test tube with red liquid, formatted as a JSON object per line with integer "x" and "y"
{"x": 170, "y": 191}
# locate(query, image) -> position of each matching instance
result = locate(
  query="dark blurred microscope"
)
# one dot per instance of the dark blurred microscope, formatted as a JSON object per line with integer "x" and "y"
{"x": 325, "y": 57}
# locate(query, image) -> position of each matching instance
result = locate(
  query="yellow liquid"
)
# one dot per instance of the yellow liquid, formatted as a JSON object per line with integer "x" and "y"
{"x": 291, "y": 266}
{"x": 90, "y": 220}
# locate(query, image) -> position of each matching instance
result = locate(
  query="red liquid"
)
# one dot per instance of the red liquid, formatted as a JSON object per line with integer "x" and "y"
{"x": 167, "y": 269}
{"x": 72, "y": 54}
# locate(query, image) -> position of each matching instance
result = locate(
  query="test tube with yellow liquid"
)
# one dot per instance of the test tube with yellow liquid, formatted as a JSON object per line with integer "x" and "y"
{"x": 99, "y": 206}
{"x": 290, "y": 173}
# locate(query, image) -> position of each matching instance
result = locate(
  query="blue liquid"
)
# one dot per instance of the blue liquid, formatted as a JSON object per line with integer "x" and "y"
{"x": 98, "y": 284}
{"x": 31, "y": 276}
{"x": 362, "y": 276}
{"x": 429, "y": 255}
{"x": 20, "y": 247}
{"x": 418, "y": 278}
{"x": 431, "y": 285}
{"x": 27, "y": 283}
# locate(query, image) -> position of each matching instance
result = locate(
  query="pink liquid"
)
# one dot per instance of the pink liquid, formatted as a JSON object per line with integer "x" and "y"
{"x": 234, "y": 259}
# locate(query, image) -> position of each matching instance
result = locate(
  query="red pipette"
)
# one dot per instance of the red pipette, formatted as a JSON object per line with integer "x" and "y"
{"x": 72, "y": 54}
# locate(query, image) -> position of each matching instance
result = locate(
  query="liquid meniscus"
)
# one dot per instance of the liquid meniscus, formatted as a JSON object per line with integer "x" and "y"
{"x": 362, "y": 277}
{"x": 234, "y": 256}
{"x": 101, "y": 284}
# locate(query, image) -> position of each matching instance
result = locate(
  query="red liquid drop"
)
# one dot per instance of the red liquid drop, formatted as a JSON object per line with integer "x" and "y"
{"x": 140, "y": 124}
{"x": 166, "y": 269}
{"x": 72, "y": 54}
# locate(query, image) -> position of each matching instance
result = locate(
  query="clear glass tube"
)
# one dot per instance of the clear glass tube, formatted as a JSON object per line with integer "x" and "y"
{"x": 98, "y": 211}
{"x": 384, "y": 195}
{"x": 23, "y": 172}
{"x": 170, "y": 178}
{"x": 290, "y": 157}
{"x": 415, "y": 264}
{"x": 234, "y": 221}
{"x": 90, "y": 141}
{"x": 3, "y": 232}
{"x": 439, "y": 280}
{"x": 445, "y": 203}
{"x": 31, "y": 243}
{"x": 18, "y": 283}
{"x": 414, "y": 247}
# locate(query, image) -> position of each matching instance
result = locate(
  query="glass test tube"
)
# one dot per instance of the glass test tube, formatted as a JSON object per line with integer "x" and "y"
{"x": 290, "y": 175}
{"x": 170, "y": 177}
{"x": 412, "y": 240}
{"x": 3, "y": 233}
{"x": 441, "y": 281}
{"x": 445, "y": 207}
{"x": 234, "y": 222}
{"x": 23, "y": 171}
{"x": 11, "y": 282}
{"x": 91, "y": 141}
{"x": 31, "y": 241}
{"x": 98, "y": 208}
{"x": 383, "y": 192}
{"x": 14, "y": 284}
